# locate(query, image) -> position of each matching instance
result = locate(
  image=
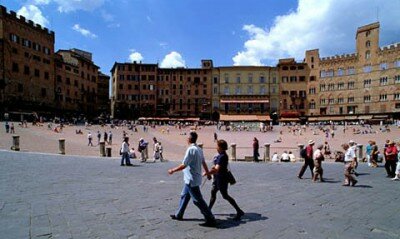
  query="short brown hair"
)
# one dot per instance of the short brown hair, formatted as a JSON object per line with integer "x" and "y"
{"x": 222, "y": 144}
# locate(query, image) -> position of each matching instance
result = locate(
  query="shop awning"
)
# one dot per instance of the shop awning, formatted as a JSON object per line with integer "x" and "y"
{"x": 350, "y": 117}
{"x": 244, "y": 101}
{"x": 251, "y": 118}
{"x": 380, "y": 116}
{"x": 289, "y": 119}
{"x": 365, "y": 117}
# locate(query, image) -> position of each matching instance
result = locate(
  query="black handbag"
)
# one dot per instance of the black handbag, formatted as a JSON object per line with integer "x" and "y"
{"x": 230, "y": 178}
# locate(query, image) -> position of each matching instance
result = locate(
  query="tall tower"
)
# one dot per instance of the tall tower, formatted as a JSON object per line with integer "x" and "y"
{"x": 367, "y": 40}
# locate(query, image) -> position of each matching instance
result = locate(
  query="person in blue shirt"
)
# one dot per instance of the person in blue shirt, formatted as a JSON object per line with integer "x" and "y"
{"x": 368, "y": 151}
{"x": 191, "y": 167}
{"x": 220, "y": 180}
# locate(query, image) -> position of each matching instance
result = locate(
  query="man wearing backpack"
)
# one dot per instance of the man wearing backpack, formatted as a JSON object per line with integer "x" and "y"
{"x": 307, "y": 153}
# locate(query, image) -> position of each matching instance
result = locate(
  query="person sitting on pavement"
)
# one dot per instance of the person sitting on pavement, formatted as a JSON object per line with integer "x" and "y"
{"x": 275, "y": 157}
{"x": 292, "y": 157}
{"x": 285, "y": 157}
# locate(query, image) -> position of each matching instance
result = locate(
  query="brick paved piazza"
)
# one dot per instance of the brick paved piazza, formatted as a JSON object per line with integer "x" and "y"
{"x": 52, "y": 196}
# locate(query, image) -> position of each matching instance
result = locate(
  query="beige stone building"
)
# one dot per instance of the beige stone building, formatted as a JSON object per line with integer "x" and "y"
{"x": 26, "y": 64}
{"x": 245, "y": 90}
{"x": 361, "y": 85}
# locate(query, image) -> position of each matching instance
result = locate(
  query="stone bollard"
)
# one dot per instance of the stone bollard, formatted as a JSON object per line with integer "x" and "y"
{"x": 301, "y": 146}
{"x": 102, "y": 149}
{"x": 200, "y": 145}
{"x": 267, "y": 152}
{"x": 359, "y": 152}
{"x": 61, "y": 146}
{"x": 15, "y": 146}
{"x": 233, "y": 152}
{"x": 108, "y": 151}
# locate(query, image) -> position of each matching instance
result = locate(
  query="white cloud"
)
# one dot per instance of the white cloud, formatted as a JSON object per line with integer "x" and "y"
{"x": 83, "y": 31}
{"x": 41, "y": 2}
{"x": 173, "y": 60}
{"x": 33, "y": 13}
{"x": 135, "y": 56}
{"x": 73, "y": 5}
{"x": 329, "y": 25}
{"x": 107, "y": 16}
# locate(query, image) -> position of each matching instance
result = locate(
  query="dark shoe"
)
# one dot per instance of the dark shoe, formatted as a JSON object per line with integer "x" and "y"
{"x": 212, "y": 223}
{"x": 129, "y": 164}
{"x": 354, "y": 183}
{"x": 238, "y": 216}
{"x": 299, "y": 177}
{"x": 173, "y": 217}
{"x": 322, "y": 180}
{"x": 122, "y": 164}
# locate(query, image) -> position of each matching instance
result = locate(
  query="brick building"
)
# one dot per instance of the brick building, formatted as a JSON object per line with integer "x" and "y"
{"x": 26, "y": 64}
{"x": 76, "y": 82}
{"x": 360, "y": 85}
{"x": 103, "y": 94}
{"x": 33, "y": 78}
{"x": 146, "y": 90}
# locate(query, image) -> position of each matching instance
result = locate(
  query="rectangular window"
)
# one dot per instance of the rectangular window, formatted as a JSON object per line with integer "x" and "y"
{"x": 340, "y": 72}
{"x": 340, "y": 86}
{"x": 37, "y": 73}
{"x": 340, "y": 100}
{"x": 367, "y": 83}
{"x": 26, "y": 70}
{"x": 367, "y": 98}
{"x": 226, "y": 91}
{"x": 250, "y": 90}
{"x": 350, "y": 99}
{"x": 383, "y": 97}
{"x": 322, "y": 101}
{"x": 46, "y": 75}
{"x": 226, "y": 79}
{"x": 322, "y": 87}
{"x": 367, "y": 69}
{"x": 396, "y": 96}
{"x": 238, "y": 90}
{"x": 312, "y": 105}
{"x": 383, "y": 66}
{"x": 383, "y": 81}
{"x": 311, "y": 91}
{"x": 43, "y": 92}
{"x": 284, "y": 79}
{"x": 331, "y": 86}
{"x": 250, "y": 80}
{"x": 215, "y": 80}
{"x": 262, "y": 79}
{"x": 262, "y": 90}
{"x": 350, "y": 85}
{"x": 302, "y": 78}
{"x": 238, "y": 80}
{"x": 15, "y": 67}
{"x": 397, "y": 63}
{"x": 397, "y": 79}
{"x": 215, "y": 90}
{"x": 351, "y": 71}
{"x": 331, "y": 101}
{"x": 293, "y": 79}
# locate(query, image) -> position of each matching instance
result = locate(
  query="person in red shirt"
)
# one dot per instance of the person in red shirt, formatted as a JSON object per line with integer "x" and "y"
{"x": 391, "y": 159}
{"x": 308, "y": 161}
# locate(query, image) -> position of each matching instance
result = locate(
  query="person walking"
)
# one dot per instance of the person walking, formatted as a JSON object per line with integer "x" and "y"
{"x": 125, "y": 153}
{"x": 255, "y": 150}
{"x": 7, "y": 126}
{"x": 368, "y": 151}
{"x": 308, "y": 160}
{"x": 391, "y": 159}
{"x": 98, "y": 137}
{"x": 12, "y": 128}
{"x": 349, "y": 160}
{"x": 191, "y": 167}
{"x": 156, "y": 150}
{"x": 105, "y": 137}
{"x": 374, "y": 154}
{"x": 89, "y": 137}
{"x": 220, "y": 178}
{"x": 327, "y": 150}
{"x": 318, "y": 158}
{"x": 142, "y": 147}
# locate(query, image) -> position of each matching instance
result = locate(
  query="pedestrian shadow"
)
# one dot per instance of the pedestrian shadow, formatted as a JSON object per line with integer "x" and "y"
{"x": 362, "y": 174}
{"x": 230, "y": 222}
{"x": 363, "y": 186}
{"x": 330, "y": 180}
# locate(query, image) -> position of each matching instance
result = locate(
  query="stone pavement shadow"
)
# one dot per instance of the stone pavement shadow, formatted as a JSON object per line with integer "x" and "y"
{"x": 331, "y": 180}
{"x": 363, "y": 186}
{"x": 247, "y": 217}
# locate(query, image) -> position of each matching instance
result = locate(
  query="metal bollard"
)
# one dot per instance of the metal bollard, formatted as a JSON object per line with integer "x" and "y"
{"x": 108, "y": 151}
{"x": 102, "y": 149}
{"x": 15, "y": 146}
{"x": 233, "y": 152}
{"x": 267, "y": 152}
{"x": 359, "y": 152}
{"x": 61, "y": 146}
{"x": 301, "y": 146}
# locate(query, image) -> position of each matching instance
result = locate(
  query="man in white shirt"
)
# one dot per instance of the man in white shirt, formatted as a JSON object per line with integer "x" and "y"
{"x": 318, "y": 158}
{"x": 285, "y": 157}
{"x": 349, "y": 160}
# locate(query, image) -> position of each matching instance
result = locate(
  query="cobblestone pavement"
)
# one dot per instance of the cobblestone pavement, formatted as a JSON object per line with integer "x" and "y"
{"x": 52, "y": 196}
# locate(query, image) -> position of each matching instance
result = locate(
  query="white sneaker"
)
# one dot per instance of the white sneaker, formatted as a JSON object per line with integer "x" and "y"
{"x": 395, "y": 179}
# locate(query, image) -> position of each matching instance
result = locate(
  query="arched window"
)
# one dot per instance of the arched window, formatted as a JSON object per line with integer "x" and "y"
{"x": 367, "y": 55}
{"x": 367, "y": 33}
{"x": 367, "y": 44}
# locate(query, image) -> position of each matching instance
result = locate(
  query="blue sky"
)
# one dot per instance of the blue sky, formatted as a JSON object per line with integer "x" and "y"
{"x": 182, "y": 32}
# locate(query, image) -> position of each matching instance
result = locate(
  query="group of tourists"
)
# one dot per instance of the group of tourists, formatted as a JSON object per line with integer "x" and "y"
{"x": 313, "y": 160}
{"x": 9, "y": 128}
{"x": 130, "y": 153}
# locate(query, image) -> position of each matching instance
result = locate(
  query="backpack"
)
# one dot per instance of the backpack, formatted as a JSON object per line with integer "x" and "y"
{"x": 303, "y": 153}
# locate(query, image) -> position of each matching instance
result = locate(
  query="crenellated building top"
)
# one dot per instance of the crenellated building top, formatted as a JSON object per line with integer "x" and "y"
{"x": 21, "y": 19}
{"x": 391, "y": 47}
{"x": 343, "y": 57}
